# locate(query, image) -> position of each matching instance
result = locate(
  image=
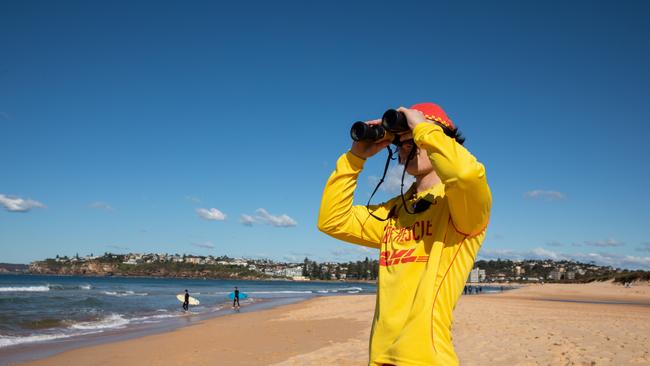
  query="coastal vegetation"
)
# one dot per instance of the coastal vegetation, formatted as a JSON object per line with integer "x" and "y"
{"x": 562, "y": 271}
{"x": 184, "y": 266}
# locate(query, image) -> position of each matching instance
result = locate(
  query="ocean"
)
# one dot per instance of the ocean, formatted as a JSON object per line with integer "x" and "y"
{"x": 57, "y": 312}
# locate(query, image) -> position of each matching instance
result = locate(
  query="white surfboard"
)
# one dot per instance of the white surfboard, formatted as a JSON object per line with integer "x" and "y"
{"x": 193, "y": 301}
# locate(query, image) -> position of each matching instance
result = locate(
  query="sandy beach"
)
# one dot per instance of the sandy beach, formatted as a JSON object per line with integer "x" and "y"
{"x": 529, "y": 326}
{"x": 564, "y": 324}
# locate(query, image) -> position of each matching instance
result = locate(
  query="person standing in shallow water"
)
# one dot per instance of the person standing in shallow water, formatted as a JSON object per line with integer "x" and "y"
{"x": 235, "y": 300}
{"x": 186, "y": 303}
{"x": 428, "y": 238}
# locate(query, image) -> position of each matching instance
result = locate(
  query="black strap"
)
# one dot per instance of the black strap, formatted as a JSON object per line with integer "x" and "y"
{"x": 406, "y": 164}
{"x": 388, "y": 159}
{"x": 420, "y": 206}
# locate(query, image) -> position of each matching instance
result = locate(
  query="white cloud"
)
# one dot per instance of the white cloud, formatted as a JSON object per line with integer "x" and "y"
{"x": 545, "y": 195}
{"x": 353, "y": 252}
{"x": 101, "y": 206}
{"x": 118, "y": 247}
{"x": 601, "y": 258}
{"x": 206, "y": 245}
{"x": 277, "y": 221}
{"x": 17, "y": 204}
{"x": 193, "y": 199}
{"x": 555, "y": 243}
{"x": 494, "y": 253}
{"x": 644, "y": 247}
{"x": 604, "y": 243}
{"x": 614, "y": 260}
{"x": 247, "y": 220}
{"x": 211, "y": 214}
{"x": 496, "y": 236}
{"x": 545, "y": 253}
{"x": 296, "y": 257}
{"x": 393, "y": 181}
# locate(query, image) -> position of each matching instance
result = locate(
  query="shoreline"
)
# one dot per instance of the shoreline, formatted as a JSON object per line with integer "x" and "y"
{"x": 286, "y": 330}
{"x": 44, "y": 315}
{"x": 530, "y": 325}
{"x": 35, "y": 351}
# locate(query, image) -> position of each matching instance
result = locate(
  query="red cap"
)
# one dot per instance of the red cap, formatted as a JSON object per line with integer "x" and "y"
{"x": 435, "y": 113}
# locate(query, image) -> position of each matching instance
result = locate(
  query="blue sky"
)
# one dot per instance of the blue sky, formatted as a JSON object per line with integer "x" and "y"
{"x": 211, "y": 128}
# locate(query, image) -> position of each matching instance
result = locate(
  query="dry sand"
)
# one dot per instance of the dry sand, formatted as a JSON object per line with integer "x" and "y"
{"x": 518, "y": 327}
{"x": 522, "y": 328}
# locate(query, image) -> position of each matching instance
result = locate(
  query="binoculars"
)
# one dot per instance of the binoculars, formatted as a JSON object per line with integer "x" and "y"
{"x": 393, "y": 122}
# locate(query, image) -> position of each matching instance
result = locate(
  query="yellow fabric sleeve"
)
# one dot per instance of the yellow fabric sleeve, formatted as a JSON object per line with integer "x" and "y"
{"x": 464, "y": 178}
{"x": 338, "y": 217}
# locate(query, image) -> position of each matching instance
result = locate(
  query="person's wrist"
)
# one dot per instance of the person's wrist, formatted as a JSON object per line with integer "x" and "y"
{"x": 355, "y": 153}
{"x": 413, "y": 125}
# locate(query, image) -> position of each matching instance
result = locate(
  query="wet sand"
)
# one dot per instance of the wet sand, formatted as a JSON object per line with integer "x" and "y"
{"x": 527, "y": 326}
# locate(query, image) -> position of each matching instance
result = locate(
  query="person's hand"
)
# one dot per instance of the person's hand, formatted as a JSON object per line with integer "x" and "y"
{"x": 366, "y": 149}
{"x": 413, "y": 117}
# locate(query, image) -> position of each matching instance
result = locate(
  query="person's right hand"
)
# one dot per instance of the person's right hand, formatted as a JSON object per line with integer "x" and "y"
{"x": 366, "y": 149}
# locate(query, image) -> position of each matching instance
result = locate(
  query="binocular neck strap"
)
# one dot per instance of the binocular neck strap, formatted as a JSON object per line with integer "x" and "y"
{"x": 406, "y": 164}
{"x": 388, "y": 159}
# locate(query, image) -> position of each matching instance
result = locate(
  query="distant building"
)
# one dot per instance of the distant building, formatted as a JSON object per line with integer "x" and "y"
{"x": 558, "y": 274}
{"x": 193, "y": 260}
{"x": 239, "y": 262}
{"x": 292, "y": 271}
{"x": 476, "y": 275}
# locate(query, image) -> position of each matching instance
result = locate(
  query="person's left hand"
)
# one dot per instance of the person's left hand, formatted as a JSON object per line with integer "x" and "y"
{"x": 413, "y": 117}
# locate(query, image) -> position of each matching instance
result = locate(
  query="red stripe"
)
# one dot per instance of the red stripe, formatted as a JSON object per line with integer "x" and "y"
{"x": 470, "y": 234}
{"x": 442, "y": 282}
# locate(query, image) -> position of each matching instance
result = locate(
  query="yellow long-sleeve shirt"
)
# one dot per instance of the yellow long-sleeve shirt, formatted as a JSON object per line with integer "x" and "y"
{"x": 424, "y": 258}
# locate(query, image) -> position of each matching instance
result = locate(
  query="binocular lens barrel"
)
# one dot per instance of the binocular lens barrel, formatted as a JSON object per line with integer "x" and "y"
{"x": 362, "y": 131}
{"x": 395, "y": 122}
{"x": 392, "y": 121}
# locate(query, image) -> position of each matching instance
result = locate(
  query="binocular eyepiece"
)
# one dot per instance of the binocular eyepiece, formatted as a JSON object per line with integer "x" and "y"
{"x": 393, "y": 122}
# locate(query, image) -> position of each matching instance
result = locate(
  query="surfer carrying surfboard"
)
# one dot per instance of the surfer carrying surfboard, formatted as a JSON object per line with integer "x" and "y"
{"x": 427, "y": 238}
{"x": 235, "y": 300}
{"x": 186, "y": 303}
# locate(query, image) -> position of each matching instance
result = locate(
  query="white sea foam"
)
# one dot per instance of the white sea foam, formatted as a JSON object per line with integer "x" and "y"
{"x": 111, "y": 321}
{"x": 25, "y": 289}
{"x": 350, "y": 289}
{"x": 85, "y": 287}
{"x": 124, "y": 293}
{"x": 6, "y": 341}
{"x": 148, "y": 319}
